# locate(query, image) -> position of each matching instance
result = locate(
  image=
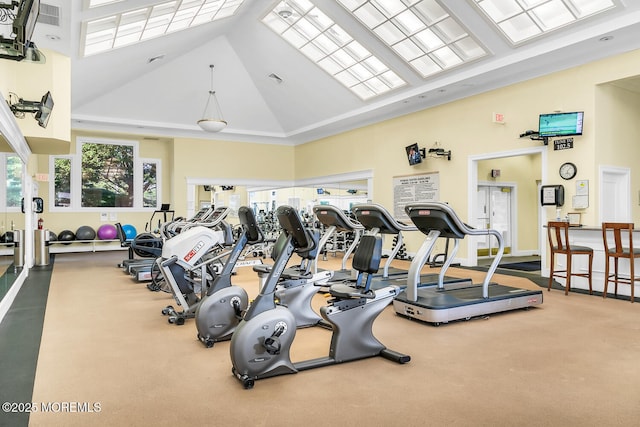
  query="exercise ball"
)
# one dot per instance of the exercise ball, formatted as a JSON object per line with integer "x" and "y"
{"x": 130, "y": 231}
{"x": 7, "y": 237}
{"x": 107, "y": 232}
{"x": 52, "y": 236}
{"x": 85, "y": 232}
{"x": 66, "y": 236}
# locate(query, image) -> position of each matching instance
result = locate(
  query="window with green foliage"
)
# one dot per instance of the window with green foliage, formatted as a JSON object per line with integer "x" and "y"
{"x": 149, "y": 184}
{"x": 104, "y": 174}
{"x": 62, "y": 176}
{"x": 13, "y": 197}
{"x": 107, "y": 175}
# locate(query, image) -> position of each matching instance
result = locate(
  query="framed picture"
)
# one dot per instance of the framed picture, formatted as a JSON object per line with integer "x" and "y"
{"x": 574, "y": 219}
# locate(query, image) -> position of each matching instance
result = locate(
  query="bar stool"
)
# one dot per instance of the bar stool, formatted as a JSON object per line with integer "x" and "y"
{"x": 558, "y": 232}
{"x": 616, "y": 249}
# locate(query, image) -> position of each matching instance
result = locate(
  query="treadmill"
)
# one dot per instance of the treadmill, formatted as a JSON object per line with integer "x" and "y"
{"x": 337, "y": 221}
{"x": 442, "y": 304}
{"x": 376, "y": 219}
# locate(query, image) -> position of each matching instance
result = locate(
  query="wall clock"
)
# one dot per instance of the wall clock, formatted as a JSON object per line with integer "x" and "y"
{"x": 568, "y": 170}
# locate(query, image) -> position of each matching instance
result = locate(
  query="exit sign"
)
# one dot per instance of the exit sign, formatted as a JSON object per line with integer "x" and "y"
{"x": 498, "y": 118}
{"x": 563, "y": 144}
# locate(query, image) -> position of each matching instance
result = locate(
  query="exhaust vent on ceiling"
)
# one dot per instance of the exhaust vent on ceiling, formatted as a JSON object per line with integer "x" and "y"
{"x": 49, "y": 14}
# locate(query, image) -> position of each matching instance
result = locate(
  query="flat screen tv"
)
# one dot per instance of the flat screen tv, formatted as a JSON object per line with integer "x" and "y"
{"x": 413, "y": 154}
{"x": 24, "y": 24}
{"x": 561, "y": 124}
{"x": 43, "y": 113}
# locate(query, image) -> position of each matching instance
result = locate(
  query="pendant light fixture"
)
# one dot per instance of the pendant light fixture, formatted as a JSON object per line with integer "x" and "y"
{"x": 212, "y": 120}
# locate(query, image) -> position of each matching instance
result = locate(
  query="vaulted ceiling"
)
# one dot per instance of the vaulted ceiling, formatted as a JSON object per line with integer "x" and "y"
{"x": 127, "y": 90}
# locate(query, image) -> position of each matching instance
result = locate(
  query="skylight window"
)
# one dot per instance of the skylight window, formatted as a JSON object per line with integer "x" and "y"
{"x": 420, "y": 31}
{"x": 520, "y": 20}
{"x": 312, "y": 32}
{"x": 101, "y": 35}
{"x": 98, "y": 3}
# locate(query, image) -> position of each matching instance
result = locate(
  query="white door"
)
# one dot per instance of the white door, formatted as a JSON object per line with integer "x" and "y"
{"x": 494, "y": 212}
{"x": 615, "y": 195}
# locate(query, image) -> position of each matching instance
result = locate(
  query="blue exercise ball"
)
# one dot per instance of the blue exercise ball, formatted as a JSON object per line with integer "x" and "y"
{"x": 130, "y": 231}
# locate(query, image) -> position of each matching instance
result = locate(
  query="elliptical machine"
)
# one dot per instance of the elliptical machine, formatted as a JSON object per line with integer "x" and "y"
{"x": 210, "y": 218}
{"x": 190, "y": 252}
{"x": 221, "y": 309}
{"x": 261, "y": 344}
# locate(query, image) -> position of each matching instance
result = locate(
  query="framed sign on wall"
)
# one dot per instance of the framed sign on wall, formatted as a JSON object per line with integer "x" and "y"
{"x": 414, "y": 188}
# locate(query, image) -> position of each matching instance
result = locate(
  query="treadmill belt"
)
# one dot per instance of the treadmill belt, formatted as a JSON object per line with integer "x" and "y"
{"x": 340, "y": 275}
{"x": 448, "y": 298}
{"x": 392, "y": 271}
{"x": 430, "y": 279}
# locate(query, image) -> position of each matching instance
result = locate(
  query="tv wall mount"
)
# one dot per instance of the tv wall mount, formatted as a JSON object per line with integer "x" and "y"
{"x": 438, "y": 152}
{"x": 40, "y": 109}
{"x": 9, "y": 6}
{"x": 535, "y": 136}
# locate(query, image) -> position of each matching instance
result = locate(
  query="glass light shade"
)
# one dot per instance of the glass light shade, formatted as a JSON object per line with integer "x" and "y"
{"x": 212, "y": 125}
{"x": 212, "y": 120}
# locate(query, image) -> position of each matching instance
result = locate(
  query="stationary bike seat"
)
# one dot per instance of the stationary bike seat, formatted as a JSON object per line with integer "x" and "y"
{"x": 343, "y": 290}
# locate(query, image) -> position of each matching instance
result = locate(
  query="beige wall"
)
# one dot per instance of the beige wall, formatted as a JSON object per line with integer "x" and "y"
{"x": 524, "y": 173}
{"x": 148, "y": 148}
{"x": 30, "y": 81}
{"x": 618, "y": 134}
{"x": 211, "y": 160}
{"x": 464, "y": 127}
{"x": 202, "y": 196}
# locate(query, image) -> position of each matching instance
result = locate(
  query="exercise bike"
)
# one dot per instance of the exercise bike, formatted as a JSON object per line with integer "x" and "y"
{"x": 297, "y": 285}
{"x": 260, "y": 346}
{"x": 223, "y": 305}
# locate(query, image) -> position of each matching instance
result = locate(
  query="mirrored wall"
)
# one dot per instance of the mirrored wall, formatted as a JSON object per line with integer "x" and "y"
{"x": 11, "y": 216}
{"x": 341, "y": 191}
{"x": 14, "y": 153}
{"x": 264, "y": 200}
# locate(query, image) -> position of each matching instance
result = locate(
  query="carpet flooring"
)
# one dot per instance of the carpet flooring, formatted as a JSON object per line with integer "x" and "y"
{"x": 109, "y": 357}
